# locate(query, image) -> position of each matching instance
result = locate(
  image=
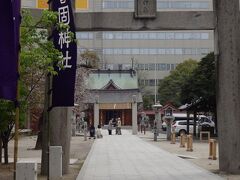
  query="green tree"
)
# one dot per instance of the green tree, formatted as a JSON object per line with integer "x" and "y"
{"x": 37, "y": 57}
{"x": 200, "y": 87}
{"x": 170, "y": 87}
{"x": 6, "y": 125}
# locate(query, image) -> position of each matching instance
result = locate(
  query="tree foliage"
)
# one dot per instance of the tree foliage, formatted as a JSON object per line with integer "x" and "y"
{"x": 170, "y": 87}
{"x": 89, "y": 59}
{"x": 200, "y": 87}
{"x": 37, "y": 57}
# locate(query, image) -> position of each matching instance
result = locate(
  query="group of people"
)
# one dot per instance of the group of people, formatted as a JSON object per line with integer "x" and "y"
{"x": 95, "y": 133}
{"x": 143, "y": 123}
{"x": 117, "y": 124}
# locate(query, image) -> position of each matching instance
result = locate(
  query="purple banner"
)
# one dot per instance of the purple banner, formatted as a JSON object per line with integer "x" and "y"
{"x": 9, "y": 48}
{"x": 64, "y": 82}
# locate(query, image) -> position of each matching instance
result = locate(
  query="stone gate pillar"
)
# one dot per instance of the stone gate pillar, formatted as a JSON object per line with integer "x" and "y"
{"x": 228, "y": 88}
{"x": 134, "y": 118}
{"x": 96, "y": 115}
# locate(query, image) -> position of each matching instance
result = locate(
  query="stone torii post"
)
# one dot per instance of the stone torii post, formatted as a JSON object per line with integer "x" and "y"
{"x": 224, "y": 20}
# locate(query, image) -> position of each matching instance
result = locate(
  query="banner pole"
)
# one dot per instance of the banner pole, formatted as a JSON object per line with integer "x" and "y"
{"x": 16, "y": 137}
{"x": 49, "y": 104}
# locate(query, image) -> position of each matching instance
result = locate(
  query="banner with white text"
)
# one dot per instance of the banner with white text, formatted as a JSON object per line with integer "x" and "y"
{"x": 64, "y": 83}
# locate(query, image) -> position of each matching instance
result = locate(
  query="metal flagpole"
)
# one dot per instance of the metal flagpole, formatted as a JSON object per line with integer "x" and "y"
{"x": 155, "y": 81}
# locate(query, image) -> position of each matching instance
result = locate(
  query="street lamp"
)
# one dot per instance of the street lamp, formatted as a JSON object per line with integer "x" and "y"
{"x": 158, "y": 122}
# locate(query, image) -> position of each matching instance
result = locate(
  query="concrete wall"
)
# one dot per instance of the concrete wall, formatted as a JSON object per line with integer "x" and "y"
{"x": 122, "y": 21}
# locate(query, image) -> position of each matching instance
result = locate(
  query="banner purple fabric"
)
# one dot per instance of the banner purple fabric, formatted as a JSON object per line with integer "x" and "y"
{"x": 9, "y": 48}
{"x": 64, "y": 82}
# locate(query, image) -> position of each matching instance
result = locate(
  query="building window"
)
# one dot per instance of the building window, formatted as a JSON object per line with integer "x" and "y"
{"x": 84, "y": 35}
{"x": 135, "y": 51}
{"x": 151, "y": 67}
{"x": 179, "y": 51}
{"x": 152, "y": 51}
{"x": 118, "y": 4}
{"x": 126, "y": 51}
{"x": 170, "y": 51}
{"x": 140, "y": 66}
{"x": 204, "y": 35}
{"x": 169, "y": 35}
{"x": 161, "y": 51}
{"x": 182, "y": 4}
{"x": 118, "y": 35}
{"x": 146, "y": 82}
{"x": 146, "y": 67}
{"x": 151, "y": 82}
{"x": 172, "y": 67}
{"x": 162, "y": 67}
{"x": 168, "y": 67}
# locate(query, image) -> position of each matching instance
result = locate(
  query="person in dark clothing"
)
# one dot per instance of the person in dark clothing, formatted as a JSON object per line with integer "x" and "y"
{"x": 92, "y": 132}
{"x": 110, "y": 127}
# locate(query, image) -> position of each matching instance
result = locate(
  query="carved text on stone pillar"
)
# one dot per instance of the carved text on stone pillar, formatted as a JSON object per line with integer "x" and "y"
{"x": 145, "y": 8}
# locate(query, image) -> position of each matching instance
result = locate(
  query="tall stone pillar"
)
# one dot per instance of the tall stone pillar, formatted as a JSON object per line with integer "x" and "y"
{"x": 96, "y": 115}
{"x": 134, "y": 118}
{"x": 60, "y": 132}
{"x": 228, "y": 89}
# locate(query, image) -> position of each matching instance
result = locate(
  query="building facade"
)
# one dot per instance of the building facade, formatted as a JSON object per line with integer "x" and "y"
{"x": 114, "y": 94}
{"x": 152, "y": 53}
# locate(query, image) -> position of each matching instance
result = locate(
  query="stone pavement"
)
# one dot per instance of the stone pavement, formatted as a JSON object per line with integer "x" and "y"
{"x": 128, "y": 157}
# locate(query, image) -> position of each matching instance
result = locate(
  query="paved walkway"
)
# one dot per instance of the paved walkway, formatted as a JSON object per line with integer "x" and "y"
{"x": 127, "y": 157}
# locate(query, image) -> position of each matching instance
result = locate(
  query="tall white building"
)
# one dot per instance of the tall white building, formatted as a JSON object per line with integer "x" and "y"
{"x": 153, "y": 53}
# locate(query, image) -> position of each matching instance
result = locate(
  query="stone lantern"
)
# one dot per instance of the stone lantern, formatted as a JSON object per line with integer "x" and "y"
{"x": 158, "y": 122}
{"x": 168, "y": 119}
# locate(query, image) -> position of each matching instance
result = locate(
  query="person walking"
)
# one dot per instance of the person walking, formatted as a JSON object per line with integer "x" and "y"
{"x": 98, "y": 132}
{"x": 110, "y": 126}
{"x": 119, "y": 126}
{"x": 143, "y": 123}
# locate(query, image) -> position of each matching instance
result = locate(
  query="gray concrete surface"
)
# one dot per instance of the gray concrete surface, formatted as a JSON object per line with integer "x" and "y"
{"x": 128, "y": 157}
{"x": 228, "y": 89}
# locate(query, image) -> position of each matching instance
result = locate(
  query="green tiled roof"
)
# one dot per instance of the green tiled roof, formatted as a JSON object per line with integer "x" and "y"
{"x": 123, "y": 79}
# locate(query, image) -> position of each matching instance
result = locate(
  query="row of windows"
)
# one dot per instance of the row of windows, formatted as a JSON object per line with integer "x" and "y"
{"x": 149, "y": 82}
{"x": 113, "y": 4}
{"x": 182, "y": 5}
{"x": 118, "y": 66}
{"x": 154, "y": 51}
{"x": 146, "y": 67}
{"x": 118, "y": 4}
{"x": 147, "y": 35}
{"x": 156, "y": 35}
{"x": 157, "y": 67}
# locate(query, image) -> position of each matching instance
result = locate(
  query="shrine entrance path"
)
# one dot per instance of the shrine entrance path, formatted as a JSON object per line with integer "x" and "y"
{"x": 127, "y": 157}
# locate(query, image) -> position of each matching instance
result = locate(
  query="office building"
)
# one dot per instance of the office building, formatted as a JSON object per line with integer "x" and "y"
{"x": 153, "y": 53}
